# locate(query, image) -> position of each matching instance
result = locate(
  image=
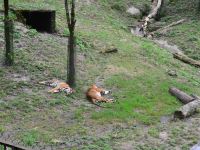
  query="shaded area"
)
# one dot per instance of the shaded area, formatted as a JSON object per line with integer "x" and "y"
{"x": 41, "y": 20}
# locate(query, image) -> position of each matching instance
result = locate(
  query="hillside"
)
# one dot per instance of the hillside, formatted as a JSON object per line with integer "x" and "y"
{"x": 137, "y": 76}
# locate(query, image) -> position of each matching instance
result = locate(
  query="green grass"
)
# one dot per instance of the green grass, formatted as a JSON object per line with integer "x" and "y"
{"x": 143, "y": 100}
{"x": 30, "y": 138}
{"x": 185, "y": 35}
{"x": 153, "y": 132}
{"x": 136, "y": 92}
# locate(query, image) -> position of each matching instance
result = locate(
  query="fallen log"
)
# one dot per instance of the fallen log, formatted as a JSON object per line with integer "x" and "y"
{"x": 187, "y": 110}
{"x": 192, "y": 103}
{"x": 112, "y": 50}
{"x": 183, "y": 97}
{"x": 168, "y": 27}
{"x": 186, "y": 59}
{"x": 156, "y": 6}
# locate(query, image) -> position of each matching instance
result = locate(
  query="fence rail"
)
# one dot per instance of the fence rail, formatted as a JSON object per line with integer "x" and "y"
{"x": 9, "y": 146}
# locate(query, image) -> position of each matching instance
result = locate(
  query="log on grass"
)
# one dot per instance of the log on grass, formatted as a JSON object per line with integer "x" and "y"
{"x": 187, "y": 60}
{"x": 168, "y": 27}
{"x": 183, "y": 97}
{"x": 187, "y": 110}
{"x": 111, "y": 50}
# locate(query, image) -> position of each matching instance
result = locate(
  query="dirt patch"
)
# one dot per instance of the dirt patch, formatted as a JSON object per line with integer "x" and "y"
{"x": 18, "y": 77}
{"x": 86, "y": 2}
{"x": 9, "y": 98}
{"x": 171, "y": 48}
{"x": 28, "y": 91}
{"x": 111, "y": 70}
{"x": 126, "y": 145}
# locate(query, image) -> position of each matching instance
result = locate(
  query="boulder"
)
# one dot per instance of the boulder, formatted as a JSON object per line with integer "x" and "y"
{"x": 135, "y": 12}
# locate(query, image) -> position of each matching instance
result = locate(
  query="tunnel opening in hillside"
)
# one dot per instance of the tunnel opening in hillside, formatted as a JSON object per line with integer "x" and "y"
{"x": 41, "y": 20}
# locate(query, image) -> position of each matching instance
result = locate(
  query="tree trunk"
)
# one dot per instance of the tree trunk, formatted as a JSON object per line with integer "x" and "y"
{"x": 187, "y": 60}
{"x": 192, "y": 103}
{"x": 183, "y": 97}
{"x": 187, "y": 110}
{"x": 71, "y": 21}
{"x": 71, "y": 61}
{"x": 8, "y": 30}
{"x": 156, "y": 6}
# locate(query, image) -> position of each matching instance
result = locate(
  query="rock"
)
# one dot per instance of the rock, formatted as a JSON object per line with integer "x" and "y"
{"x": 196, "y": 147}
{"x": 135, "y": 12}
{"x": 149, "y": 36}
{"x": 172, "y": 73}
{"x": 166, "y": 119}
{"x": 137, "y": 32}
{"x": 163, "y": 135}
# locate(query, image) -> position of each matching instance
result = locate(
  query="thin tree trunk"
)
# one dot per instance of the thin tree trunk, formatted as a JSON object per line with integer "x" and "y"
{"x": 8, "y": 30}
{"x": 71, "y": 61}
{"x": 71, "y": 21}
{"x": 198, "y": 9}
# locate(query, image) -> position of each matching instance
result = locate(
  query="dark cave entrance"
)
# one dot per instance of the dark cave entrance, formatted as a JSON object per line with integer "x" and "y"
{"x": 41, "y": 20}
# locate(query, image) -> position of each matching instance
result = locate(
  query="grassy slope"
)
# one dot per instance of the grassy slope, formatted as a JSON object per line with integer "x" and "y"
{"x": 186, "y": 35}
{"x": 137, "y": 75}
{"x": 132, "y": 67}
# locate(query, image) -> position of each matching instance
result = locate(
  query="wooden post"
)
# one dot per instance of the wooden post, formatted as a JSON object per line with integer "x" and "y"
{"x": 8, "y": 30}
{"x": 71, "y": 69}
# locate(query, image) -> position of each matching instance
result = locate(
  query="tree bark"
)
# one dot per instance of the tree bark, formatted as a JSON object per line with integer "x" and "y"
{"x": 8, "y": 30}
{"x": 192, "y": 103}
{"x": 187, "y": 60}
{"x": 183, "y": 97}
{"x": 71, "y": 21}
{"x": 111, "y": 50}
{"x": 187, "y": 110}
{"x": 71, "y": 71}
{"x": 156, "y": 6}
